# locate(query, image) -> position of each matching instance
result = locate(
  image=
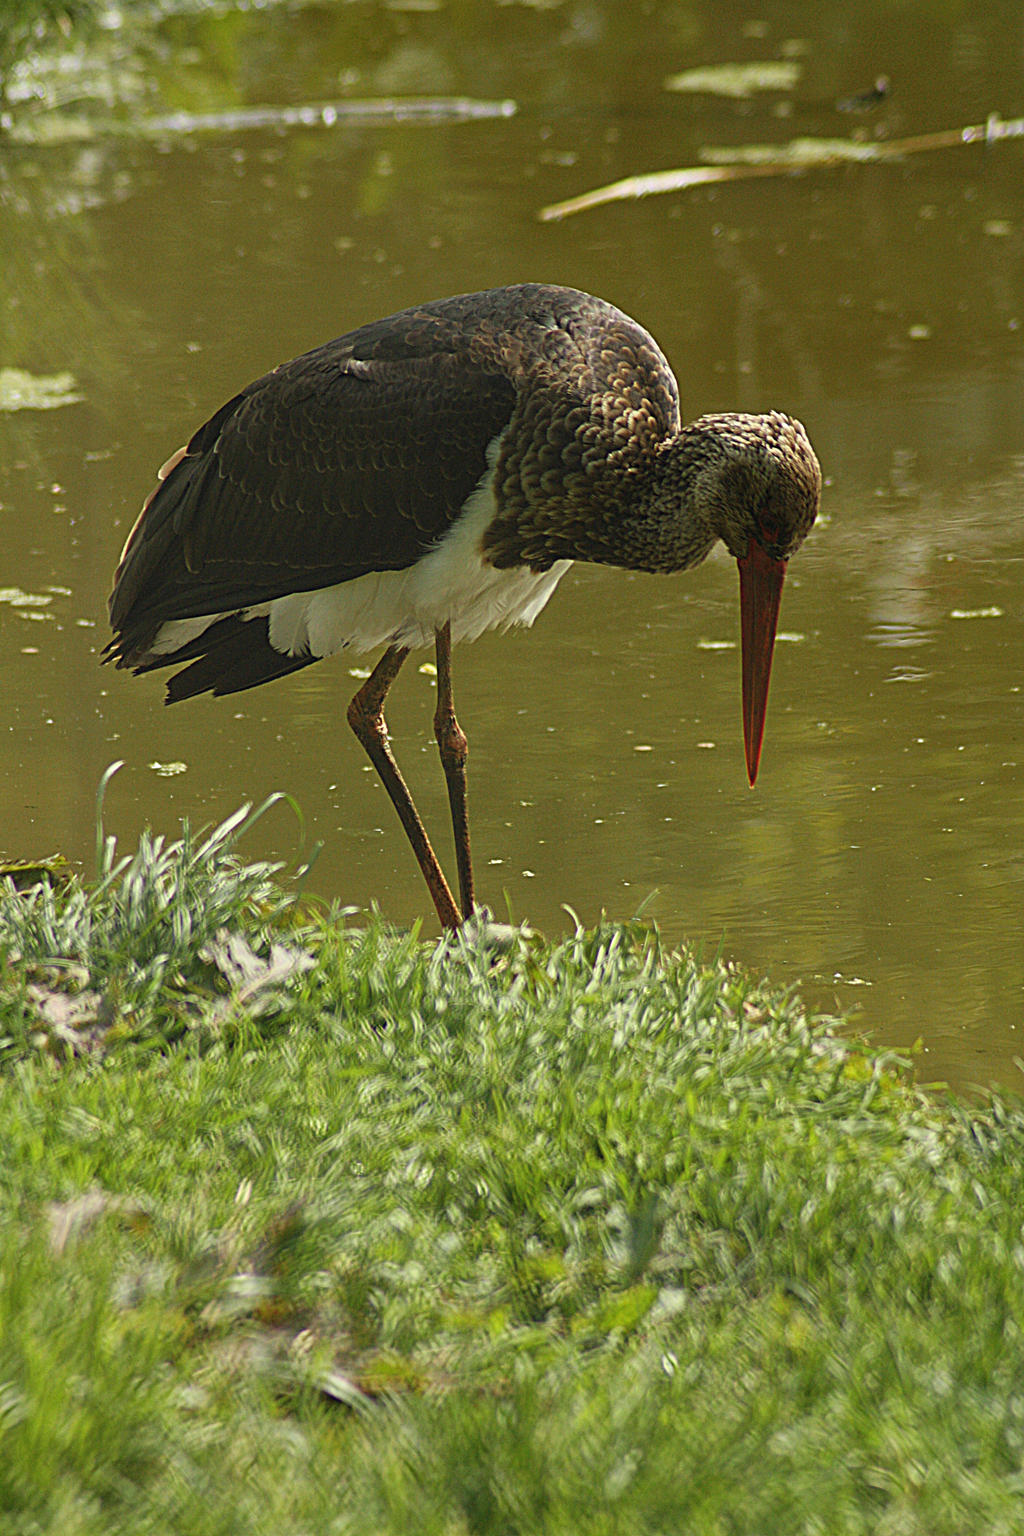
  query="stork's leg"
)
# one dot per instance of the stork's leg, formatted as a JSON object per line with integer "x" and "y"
{"x": 366, "y": 717}
{"x": 454, "y": 749}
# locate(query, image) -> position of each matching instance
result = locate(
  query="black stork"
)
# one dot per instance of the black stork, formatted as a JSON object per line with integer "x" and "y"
{"x": 432, "y": 475}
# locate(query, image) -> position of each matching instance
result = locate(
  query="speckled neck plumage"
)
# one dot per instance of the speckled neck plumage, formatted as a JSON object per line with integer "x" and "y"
{"x": 579, "y": 487}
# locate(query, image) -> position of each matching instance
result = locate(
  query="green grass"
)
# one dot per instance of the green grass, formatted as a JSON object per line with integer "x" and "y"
{"x": 315, "y": 1228}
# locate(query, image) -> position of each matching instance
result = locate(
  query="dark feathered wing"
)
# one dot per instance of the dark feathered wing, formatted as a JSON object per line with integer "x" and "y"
{"x": 336, "y": 464}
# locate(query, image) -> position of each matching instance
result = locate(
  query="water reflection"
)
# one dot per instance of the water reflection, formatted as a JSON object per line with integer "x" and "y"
{"x": 881, "y": 858}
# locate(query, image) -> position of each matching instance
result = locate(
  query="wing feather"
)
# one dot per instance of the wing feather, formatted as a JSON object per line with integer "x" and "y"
{"x": 328, "y": 468}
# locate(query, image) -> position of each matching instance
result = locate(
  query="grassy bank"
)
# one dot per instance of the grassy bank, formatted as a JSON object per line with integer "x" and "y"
{"x": 311, "y": 1228}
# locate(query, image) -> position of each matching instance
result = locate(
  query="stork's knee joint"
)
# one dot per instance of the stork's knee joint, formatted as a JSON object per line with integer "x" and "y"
{"x": 367, "y": 720}
{"x": 451, "y": 738}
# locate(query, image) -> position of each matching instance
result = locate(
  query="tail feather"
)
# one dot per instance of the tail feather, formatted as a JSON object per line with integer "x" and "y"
{"x": 231, "y": 655}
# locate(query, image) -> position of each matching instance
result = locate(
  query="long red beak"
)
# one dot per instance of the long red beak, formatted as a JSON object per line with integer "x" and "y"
{"x": 761, "y": 579}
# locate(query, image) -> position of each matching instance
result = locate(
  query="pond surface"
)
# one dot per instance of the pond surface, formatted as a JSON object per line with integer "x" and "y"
{"x": 880, "y": 861}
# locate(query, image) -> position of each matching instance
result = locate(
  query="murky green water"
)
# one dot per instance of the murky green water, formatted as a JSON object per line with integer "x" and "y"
{"x": 881, "y": 858}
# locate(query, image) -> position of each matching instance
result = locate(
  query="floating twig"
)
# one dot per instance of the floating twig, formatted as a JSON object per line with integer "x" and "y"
{"x": 333, "y": 114}
{"x": 62, "y": 127}
{"x": 796, "y": 157}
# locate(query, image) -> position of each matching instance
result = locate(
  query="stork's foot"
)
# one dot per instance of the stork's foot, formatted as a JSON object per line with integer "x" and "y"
{"x": 480, "y": 930}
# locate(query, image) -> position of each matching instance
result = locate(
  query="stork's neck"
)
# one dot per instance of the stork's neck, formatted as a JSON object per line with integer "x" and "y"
{"x": 664, "y": 518}
{"x": 658, "y": 505}
{"x": 732, "y": 477}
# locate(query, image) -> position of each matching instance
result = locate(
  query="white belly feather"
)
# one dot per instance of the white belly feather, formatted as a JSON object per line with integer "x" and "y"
{"x": 453, "y": 582}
